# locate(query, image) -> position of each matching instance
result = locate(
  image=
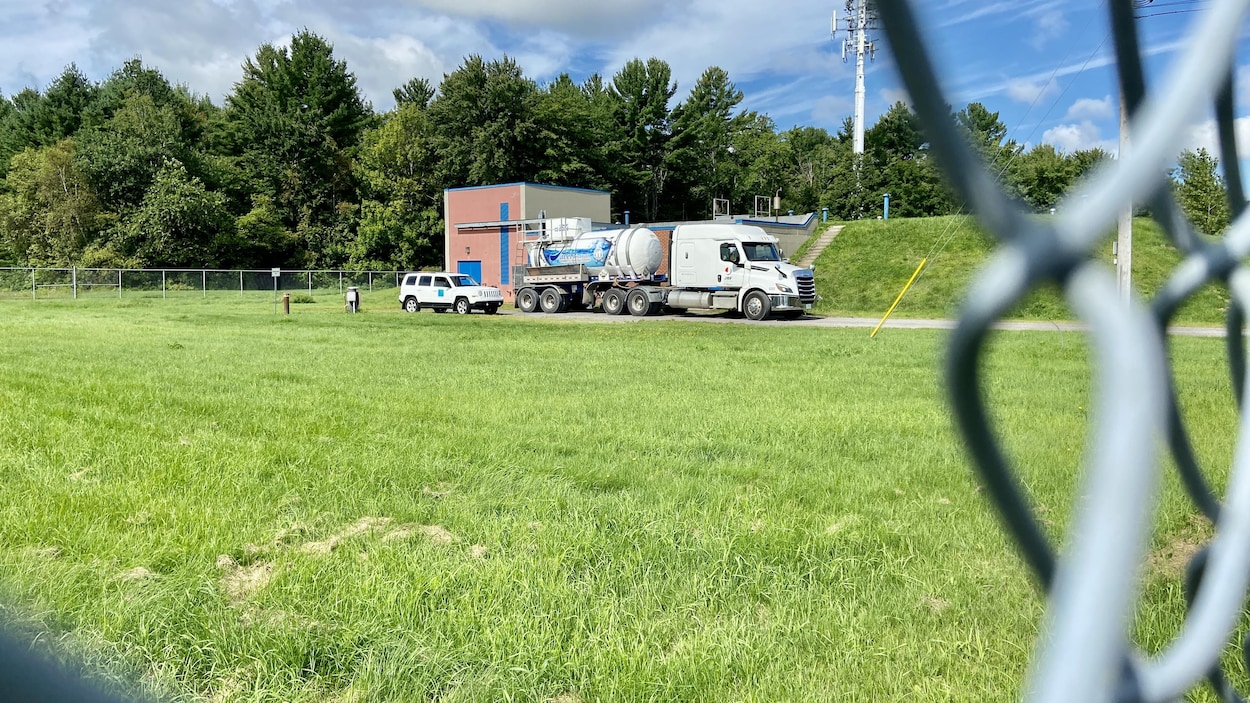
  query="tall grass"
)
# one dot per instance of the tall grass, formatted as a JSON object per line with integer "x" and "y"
{"x": 214, "y": 502}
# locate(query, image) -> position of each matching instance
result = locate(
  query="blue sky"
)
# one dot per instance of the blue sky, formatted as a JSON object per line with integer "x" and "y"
{"x": 1044, "y": 65}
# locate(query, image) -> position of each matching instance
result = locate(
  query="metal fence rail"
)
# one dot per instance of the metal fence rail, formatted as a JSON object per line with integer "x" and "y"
{"x": 38, "y": 283}
{"x": 1085, "y": 653}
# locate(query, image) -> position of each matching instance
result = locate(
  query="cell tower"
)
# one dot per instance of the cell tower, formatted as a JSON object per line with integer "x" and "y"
{"x": 861, "y": 18}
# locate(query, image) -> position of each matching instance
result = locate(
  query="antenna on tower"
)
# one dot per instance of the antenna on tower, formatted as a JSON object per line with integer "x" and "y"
{"x": 861, "y": 18}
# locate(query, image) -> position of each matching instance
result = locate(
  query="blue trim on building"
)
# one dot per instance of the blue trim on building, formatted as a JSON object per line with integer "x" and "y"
{"x": 531, "y": 185}
{"x": 505, "y": 262}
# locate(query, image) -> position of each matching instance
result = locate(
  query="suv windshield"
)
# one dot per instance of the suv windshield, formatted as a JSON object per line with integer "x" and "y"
{"x": 761, "y": 252}
{"x": 463, "y": 281}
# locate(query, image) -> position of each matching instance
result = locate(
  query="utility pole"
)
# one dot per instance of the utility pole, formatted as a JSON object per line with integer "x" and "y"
{"x": 861, "y": 17}
{"x": 1124, "y": 233}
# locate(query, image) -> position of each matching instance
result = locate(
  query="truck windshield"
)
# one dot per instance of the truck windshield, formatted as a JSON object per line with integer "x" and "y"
{"x": 761, "y": 252}
{"x": 463, "y": 281}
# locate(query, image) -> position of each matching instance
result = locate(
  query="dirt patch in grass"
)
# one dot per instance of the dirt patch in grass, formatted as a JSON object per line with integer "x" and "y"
{"x": 242, "y": 582}
{"x": 936, "y": 604}
{"x": 437, "y": 534}
{"x": 478, "y": 551}
{"x": 139, "y": 573}
{"x": 361, "y": 526}
{"x": 1171, "y": 559}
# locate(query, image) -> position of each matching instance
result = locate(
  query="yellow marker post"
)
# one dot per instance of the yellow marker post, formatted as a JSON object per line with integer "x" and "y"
{"x": 900, "y": 296}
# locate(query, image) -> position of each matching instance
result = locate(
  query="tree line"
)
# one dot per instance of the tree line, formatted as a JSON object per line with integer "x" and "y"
{"x": 296, "y": 169}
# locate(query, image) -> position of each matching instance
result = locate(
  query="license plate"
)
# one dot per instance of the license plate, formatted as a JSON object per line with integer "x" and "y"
{"x": 807, "y": 306}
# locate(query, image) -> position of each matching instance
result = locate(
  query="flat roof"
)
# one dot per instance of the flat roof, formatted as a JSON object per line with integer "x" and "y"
{"x": 531, "y": 185}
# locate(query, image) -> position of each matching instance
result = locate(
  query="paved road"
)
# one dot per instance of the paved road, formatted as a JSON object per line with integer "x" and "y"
{"x": 814, "y": 321}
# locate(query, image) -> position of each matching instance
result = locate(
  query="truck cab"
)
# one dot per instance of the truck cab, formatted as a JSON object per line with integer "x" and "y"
{"x": 442, "y": 291}
{"x": 738, "y": 267}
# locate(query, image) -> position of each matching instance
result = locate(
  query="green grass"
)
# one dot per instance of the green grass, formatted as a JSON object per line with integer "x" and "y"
{"x": 863, "y": 270}
{"x": 220, "y": 503}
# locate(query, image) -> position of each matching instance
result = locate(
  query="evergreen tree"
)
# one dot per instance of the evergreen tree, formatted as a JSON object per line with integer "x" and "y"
{"x": 642, "y": 92}
{"x": 702, "y": 130}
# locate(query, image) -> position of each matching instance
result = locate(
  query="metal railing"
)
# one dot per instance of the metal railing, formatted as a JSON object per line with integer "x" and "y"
{"x": 1085, "y": 652}
{"x": 72, "y": 282}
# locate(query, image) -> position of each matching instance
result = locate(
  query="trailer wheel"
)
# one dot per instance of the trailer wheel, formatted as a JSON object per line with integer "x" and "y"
{"x": 639, "y": 303}
{"x": 551, "y": 300}
{"x": 614, "y": 301}
{"x": 527, "y": 299}
{"x": 757, "y": 305}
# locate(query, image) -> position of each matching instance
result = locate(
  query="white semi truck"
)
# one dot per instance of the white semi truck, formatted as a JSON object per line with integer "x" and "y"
{"x": 713, "y": 267}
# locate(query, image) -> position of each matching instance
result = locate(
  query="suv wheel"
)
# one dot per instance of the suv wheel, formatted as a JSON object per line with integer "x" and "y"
{"x": 411, "y": 304}
{"x": 462, "y": 306}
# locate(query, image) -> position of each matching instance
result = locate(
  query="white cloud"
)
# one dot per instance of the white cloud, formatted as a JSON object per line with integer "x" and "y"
{"x": 1079, "y": 136}
{"x": 1205, "y": 136}
{"x": 895, "y": 95}
{"x": 587, "y": 19}
{"x": 1090, "y": 109}
{"x": 1024, "y": 90}
{"x": 832, "y": 109}
{"x": 1051, "y": 23}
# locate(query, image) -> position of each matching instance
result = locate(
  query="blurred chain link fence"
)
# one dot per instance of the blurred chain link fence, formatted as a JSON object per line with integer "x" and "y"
{"x": 1085, "y": 652}
{"x": 37, "y": 283}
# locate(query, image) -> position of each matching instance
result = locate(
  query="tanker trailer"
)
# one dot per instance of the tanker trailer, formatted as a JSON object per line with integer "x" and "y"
{"x": 717, "y": 266}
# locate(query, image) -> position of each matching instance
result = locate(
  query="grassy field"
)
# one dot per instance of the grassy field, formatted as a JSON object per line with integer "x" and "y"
{"x": 864, "y": 269}
{"x": 223, "y": 504}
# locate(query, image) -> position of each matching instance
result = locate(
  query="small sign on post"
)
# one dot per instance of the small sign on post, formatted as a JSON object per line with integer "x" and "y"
{"x": 276, "y": 273}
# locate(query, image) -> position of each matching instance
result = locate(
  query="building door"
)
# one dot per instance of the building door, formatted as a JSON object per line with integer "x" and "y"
{"x": 470, "y": 268}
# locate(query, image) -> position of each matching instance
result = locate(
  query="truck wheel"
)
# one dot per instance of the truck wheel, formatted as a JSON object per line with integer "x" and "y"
{"x": 639, "y": 303}
{"x": 614, "y": 301}
{"x": 411, "y": 304}
{"x": 462, "y": 306}
{"x": 527, "y": 299}
{"x": 757, "y": 305}
{"x": 551, "y": 300}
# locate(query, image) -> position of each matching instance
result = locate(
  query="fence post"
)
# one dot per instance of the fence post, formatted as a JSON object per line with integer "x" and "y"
{"x": 204, "y": 282}
{"x": 119, "y": 284}
{"x": 162, "y": 283}
{"x": 340, "y": 283}
{"x": 240, "y": 283}
{"x": 73, "y": 281}
{"x": 310, "y": 282}
{"x": 33, "y": 287}
{"x": 370, "y": 281}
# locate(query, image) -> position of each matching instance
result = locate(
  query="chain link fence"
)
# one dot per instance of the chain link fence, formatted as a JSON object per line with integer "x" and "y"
{"x": 73, "y": 283}
{"x": 1086, "y": 652}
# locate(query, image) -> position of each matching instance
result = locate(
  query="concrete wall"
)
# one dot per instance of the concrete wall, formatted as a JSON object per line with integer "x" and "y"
{"x": 565, "y": 202}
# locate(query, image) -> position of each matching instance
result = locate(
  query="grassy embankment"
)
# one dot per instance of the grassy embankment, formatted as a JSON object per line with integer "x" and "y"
{"x": 864, "y": 269}
{"x": 223, "y": 503}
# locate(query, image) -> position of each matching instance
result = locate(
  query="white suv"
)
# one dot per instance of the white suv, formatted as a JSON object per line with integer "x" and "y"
{"x": 447, "y": 291}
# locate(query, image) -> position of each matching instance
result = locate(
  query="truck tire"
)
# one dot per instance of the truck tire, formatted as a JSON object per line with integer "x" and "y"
{"x": 527, "y": 299}
{"x": 614, "y": 301}
{"x": 756, "y": 306}
{"x": 551, "y": 300}
{"x": 411, "y": 304}
{"x": 639, "y": 302}
{"x": 462, "y": 306}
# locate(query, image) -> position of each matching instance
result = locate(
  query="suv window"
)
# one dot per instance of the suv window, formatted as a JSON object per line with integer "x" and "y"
{"x": 440, "y": 282}
{"x": 425, "y": 281}
{"x": 463, "y": 280}
{"x": 410, "y": 281}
